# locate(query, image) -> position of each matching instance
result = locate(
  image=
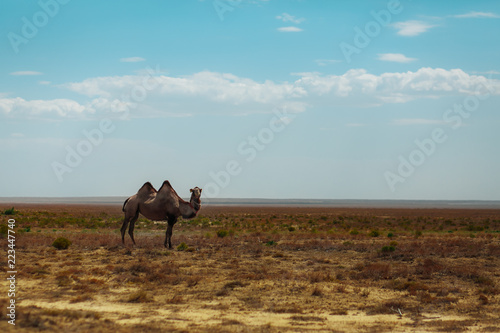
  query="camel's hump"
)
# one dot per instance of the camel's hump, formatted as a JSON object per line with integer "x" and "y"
{"x": 147, "y": 188}
{"x": 167, "y": 184}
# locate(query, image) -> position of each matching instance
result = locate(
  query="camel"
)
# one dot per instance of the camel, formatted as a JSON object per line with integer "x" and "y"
{"x": 160, "y": 205}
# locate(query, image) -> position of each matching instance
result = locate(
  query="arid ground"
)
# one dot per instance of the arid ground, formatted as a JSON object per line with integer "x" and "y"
{"x": 255, "y": 269}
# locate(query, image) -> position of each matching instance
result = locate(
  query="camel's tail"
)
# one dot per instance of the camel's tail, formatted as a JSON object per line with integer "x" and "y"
{"x": 124, "y": 204}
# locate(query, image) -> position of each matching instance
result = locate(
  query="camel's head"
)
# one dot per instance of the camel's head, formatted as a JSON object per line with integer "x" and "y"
{"x": 195, "y": 192}
{"x": 195, "y": 197}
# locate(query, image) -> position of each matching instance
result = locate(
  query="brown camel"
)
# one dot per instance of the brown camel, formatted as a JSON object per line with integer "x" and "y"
{"x": 160, "y": 205}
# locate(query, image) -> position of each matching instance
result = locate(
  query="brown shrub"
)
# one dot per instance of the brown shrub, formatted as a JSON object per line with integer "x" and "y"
{"x": 428, "y": 267}
{"x": 307, "y": 318}
{"x": 71, "y": 314}
{"x": 493, "y": 250}
{"x": 317, "y": 291}
{"x": 425, "y": 297}
{"x": 83, "y": 287}
{"x": 177, "y": 299}
{"x": 140, "y": 296}
{"x": 315, "y": 277}
{"x": 483, "y": 299}
{"x": 451, "y": 325}
{"x": 230, "y": 286}
{"x": 468, "y": 272}
{"x": 285, "y": 308}
{"x": 374, "y": 271}
{"x": 253, "y": 302}
{"x": 193, "y": 281}
{"x": 231, "y": 322}
{"x": 81, "y": 298}
{"x": 341, "y": 288}
{"x": 222, "y": 292}
{"x": 490, "y": 290}
{"x": 234, "y": 284}
{"x": 415, "y": 287}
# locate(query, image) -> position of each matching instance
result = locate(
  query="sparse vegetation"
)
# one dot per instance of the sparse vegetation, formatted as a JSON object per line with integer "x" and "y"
{"x": 332, "y": 264}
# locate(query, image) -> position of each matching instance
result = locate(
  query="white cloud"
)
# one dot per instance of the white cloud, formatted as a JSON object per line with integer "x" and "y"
{"x": 325, "y": 62}
{"x": 395, "y": 57}
{"x": 44, "y": 83}
{"x": 285, "y": 17}
{"x": 108, "y": 105}
{"x": 186, "y": 95}
{"x": 477, "y": 15}
{"x": 25, "y": 73}
{"x": 132, "y": 59}
{"x": 412, "y": 27}
{"x": 59, "y": 107}
{"x": 359, "y": 86}
{"x": 221, "y": 87}
{"x": 290, "y": 29}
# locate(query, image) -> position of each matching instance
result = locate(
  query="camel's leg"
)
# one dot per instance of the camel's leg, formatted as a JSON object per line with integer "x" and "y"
{"x": 126, "y": 221}
{"x": 132, "y": 225}
{"x": 168, "y": 236}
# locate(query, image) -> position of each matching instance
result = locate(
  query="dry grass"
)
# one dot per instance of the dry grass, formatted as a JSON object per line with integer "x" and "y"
{"x": 275, "y": 269}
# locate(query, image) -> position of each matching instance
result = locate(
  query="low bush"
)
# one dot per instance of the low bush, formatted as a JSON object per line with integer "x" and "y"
{"x": 61, "y": 243}
{"x": 182, "y": 247}
{"x": 222, "y": 233}
{"x": 10, "y": 211}
{"x": 389, "y": 248}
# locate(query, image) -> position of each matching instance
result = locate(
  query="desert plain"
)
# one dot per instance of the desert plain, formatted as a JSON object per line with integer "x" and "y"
{"x": 255, "y": 269}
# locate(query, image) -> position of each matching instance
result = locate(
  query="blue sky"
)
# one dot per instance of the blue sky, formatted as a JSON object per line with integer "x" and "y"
{"x": 251, "y": 98}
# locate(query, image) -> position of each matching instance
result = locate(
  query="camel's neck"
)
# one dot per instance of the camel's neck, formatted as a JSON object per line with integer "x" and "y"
{"x": 189, "y": 209}
{"x": 196, "y": 203}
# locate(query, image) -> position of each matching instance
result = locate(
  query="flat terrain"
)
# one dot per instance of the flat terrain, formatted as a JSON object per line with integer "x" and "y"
{"x": 256, "y": 269}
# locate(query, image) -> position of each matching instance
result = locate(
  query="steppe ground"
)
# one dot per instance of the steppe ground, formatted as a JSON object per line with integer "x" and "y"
{"x": 255, "y": 269}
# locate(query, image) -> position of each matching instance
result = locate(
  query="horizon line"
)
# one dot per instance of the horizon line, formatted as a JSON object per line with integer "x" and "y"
{"x": 269, "y": 202}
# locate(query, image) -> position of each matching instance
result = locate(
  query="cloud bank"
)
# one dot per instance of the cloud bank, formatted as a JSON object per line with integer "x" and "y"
{"x": 222, "y": 93}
